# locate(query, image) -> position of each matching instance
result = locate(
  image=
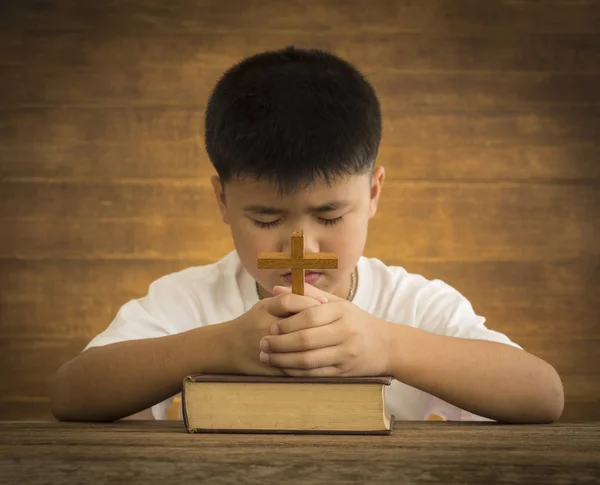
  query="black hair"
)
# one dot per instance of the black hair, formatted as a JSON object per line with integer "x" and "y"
{"x": 292, "y": 116}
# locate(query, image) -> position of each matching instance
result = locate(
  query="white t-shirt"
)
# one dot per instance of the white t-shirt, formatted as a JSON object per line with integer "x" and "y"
{"x": 219, "y": 292}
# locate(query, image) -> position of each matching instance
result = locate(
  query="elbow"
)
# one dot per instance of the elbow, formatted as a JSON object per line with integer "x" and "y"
{"x": 60, "y": 395}
{"x": 553, "y": 404}
{"x": 73, "y": 398}
{"x": 558, "y": 398}
{"x": 63, "y": 402}
{"x": 58, "y": 398}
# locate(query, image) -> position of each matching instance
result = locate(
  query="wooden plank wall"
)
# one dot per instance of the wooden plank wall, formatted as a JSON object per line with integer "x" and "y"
{"x": 491, "y": 143}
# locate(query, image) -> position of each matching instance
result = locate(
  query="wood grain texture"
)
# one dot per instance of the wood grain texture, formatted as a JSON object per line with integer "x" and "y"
{"x": 26, "y": 357}
{"x": 466, "y": 17}
{"x": 308, "y": 261}
{"x": 24, "y": 408}
{"x": 375, "y": 50}
{"x": 145, "y": 159}
{"x": 298, "y": 281}
{"x": 414, "y": 453}
{"x": 490, "y": 143}
{"x": 297, "y": 252}
{"x": 297, "y": 244}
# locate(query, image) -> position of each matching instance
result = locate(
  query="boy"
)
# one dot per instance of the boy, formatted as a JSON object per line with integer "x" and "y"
{"x": 293, "y": 136}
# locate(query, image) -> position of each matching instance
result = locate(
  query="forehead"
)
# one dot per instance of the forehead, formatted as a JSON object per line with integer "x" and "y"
{"x": 263, "y": 192}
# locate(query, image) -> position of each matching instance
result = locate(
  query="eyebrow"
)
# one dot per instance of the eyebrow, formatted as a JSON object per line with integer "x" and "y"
{"x": 327, "y": 207}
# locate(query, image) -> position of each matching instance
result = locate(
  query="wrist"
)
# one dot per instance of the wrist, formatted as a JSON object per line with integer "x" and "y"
{"x": 402, "y": 343}
{"x": 211, "y": 349}
{"x": 390, "y": 345}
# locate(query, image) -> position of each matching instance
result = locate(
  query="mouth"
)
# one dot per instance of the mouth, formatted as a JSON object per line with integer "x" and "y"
{"x": 310, "y": 277}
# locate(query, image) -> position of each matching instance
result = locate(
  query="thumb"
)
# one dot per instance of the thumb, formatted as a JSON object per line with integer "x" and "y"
{"x": 309, "y": 290}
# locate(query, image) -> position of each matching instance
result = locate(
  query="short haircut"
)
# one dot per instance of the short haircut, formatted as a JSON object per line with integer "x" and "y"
{"x": 292, "y": 116}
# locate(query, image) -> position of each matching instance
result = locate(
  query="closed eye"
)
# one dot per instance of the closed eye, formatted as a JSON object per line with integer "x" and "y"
{"x": 266, "y": 225}
{"x": 330, "y": 222}
{"x": 275, "y": 223}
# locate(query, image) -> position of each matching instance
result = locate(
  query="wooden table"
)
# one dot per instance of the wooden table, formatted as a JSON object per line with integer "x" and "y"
{"x": 162, "y": 452}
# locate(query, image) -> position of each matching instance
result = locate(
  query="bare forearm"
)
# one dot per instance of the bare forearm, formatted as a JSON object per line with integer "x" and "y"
{"x": 117, "y": 380}
{"x": 486, "y": 378}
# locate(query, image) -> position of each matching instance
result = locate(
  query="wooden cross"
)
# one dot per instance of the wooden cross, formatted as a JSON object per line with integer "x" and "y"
{"x": 297, "y": 261}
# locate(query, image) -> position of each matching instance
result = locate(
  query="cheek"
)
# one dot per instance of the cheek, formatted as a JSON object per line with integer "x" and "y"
{"x": 249, "y": 242}
{"x": 349, "y": 242}
{"x": 243, "y": 236}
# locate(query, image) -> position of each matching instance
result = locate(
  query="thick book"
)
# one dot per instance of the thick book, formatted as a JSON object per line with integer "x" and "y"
{"x": 257, "y": 404}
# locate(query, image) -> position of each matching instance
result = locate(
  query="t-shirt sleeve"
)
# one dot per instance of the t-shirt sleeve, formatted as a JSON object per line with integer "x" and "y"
{"x": 443, "y": 310}
{"x": 166, "y": 309}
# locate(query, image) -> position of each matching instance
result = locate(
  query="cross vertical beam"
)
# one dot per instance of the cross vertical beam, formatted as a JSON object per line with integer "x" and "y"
{"x": 297, "y": 252}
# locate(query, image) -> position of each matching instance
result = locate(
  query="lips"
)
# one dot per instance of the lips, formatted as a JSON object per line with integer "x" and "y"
{"x": 310, "y": 277}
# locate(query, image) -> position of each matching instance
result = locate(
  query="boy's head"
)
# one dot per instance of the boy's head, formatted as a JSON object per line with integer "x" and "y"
{"x": 293, "y": 135}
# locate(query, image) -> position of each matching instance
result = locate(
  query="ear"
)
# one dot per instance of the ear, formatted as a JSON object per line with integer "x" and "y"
{"x": 219, "y": 191}
{"x": 377, "y": 179}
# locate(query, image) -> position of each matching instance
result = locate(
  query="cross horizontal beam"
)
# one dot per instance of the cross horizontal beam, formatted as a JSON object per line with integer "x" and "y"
{"x": 309, "y": 261}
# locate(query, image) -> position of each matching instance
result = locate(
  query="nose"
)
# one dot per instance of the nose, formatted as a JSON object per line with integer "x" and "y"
{"x": 311, "y": 243}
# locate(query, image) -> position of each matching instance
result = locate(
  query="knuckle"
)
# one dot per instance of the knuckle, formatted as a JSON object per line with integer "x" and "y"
{"x": 265, "y": 306}
{"x": 311, "y": 319}
{"x": 306, "y": 339}
{"x": 352, "y": 352}
{"x": 285, "y": 300}
{"x": 308, "y": 362}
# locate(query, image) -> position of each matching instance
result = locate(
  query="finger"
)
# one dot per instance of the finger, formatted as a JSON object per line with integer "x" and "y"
{"x": 315, "y": 316}
{"x": 302, "y": 340}
{"x": 330, "y": 371}
{"x": 315, "y": 292}
{"x": 311, "y": 359}
{"x": 281, "y": 290}
{"x": 288, "y": 304}
{"x": 309, "y": 290}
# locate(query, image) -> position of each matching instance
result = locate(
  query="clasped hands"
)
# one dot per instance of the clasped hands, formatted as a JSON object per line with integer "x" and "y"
{"x": 319, "y": 334}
